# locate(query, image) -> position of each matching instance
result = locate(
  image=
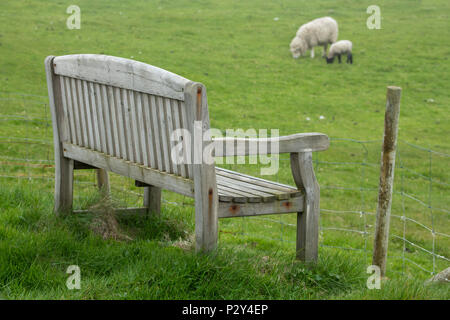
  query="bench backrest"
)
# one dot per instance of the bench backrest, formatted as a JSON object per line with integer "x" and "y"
{"x": 126, "y": 109}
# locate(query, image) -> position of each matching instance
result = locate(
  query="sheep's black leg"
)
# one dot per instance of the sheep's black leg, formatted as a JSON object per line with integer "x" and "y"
{"x": 339, "y": 58}
{"x": 350, "y": 58}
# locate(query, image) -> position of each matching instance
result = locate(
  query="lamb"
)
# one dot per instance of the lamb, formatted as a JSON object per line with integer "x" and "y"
{"x": 338, "y": 48}
{"x": 319, "y": 32}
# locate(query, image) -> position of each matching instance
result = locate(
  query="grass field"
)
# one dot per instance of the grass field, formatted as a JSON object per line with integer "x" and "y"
{"x": 241, "y": 54}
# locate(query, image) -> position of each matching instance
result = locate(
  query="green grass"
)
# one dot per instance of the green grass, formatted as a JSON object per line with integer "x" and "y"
{"x": 241, "y": 54}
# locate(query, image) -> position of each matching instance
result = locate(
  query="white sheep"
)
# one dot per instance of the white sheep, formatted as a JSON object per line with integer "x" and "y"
{"x": 338, "y": 48}
{"x": 319, "y": 32}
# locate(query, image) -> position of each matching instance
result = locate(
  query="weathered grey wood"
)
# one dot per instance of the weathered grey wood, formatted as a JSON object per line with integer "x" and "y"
{"x": 240, "y": 196}
{"x": 106, "y": 120}
{"x": 206, "y": 196}
{"x": 231, "y": 210}
{"x": 99, "y": 137}
{"x": 381, "y": 239}
{"x": 65, "y": 103}
{"x": 134, "y": 124}
{"x": 76, "y": 112}
{"x": 120, "y": 119}
{"x": 186, "y": 125}
{"x": 103, "y": 182}
{"x": 169, "y": 128}
{"x": 118, "y": 115}
{"x": 132, "y": 170}
{"x": 63, "y": 166}
{"x": 156, "y": 134}
{"x": 88, "y": 113}
{"x": 149, "y": 140}
{"x": 300, "y": 142}
{"x": 66, "y": 91}
{"x": 122, "y": 73}
{"x": 142, "y": 134}
{"x": 253, "y": 195}
{"x": 177, "y": 125}
{"x": 82, "y": 113}
{"x": 152, "y": 200}
{"x": 266, "y": 192}
{"x": 308, "y": 220}
{"x": 163, "y": 135}
{"x": 127, "y": 126}
{"x": 255, "y": 180}
{"x": 112, "y": 111}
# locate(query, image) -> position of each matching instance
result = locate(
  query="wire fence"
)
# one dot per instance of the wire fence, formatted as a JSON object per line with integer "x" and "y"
{"x": 420, "y": 230}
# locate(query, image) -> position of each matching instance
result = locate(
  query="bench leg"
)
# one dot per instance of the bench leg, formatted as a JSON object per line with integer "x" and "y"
{"x": 152, "y": 200}
{"x": 308, "y": 220}
{"x": 103, "y": 182}
{"x": 63, "y": 186}
{"x": 206, "y": 208}
{"x": 206, "y": 224}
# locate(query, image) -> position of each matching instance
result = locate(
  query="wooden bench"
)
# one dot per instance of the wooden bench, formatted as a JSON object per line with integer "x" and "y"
{"x": 115, "y": 114}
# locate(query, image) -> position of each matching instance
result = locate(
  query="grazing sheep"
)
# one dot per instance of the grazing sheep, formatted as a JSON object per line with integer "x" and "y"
{"x": 338, "y": 48}
{"x": 319, "y": 32}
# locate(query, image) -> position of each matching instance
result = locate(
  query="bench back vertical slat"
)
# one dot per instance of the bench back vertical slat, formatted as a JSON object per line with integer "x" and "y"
{"x": 142, "y": 132}
{"x": 162, "y": 134}
{"x": 82, "y": 113}
{"x": 88, "y": 115}
{"x": 112, "y": 112}
{"x": 177, "y": 124}
{"x": 95, "y": 121}
{"x": 125, "y": 109}
{"x": 129, "y": 154}
{"x": 147, "y": 131}
{"x": 134, "y": 127}
{"x": 120, "y": 124}
{"x": 75, "y": 107}
{"x": 106, "y": 120}
{"x": 185, "y": 124}
{"x": 157, "y": 143}
{"x": 170, "y": 127}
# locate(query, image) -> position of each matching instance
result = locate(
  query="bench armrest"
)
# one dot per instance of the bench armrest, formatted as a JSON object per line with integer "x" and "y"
{"x": 300, "y": 142}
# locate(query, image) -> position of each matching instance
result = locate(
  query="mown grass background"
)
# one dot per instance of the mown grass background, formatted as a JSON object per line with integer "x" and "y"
{"x": 241, "y": 53}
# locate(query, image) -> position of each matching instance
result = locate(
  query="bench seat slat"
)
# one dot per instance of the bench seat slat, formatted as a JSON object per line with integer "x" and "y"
{"x": 254, "y": 190}
{"x": 255, "y": 180}
{"x": 262, "y": 191}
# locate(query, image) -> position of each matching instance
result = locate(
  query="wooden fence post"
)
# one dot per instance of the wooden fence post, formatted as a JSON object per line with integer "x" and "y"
{"x": 386, "y": 178}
